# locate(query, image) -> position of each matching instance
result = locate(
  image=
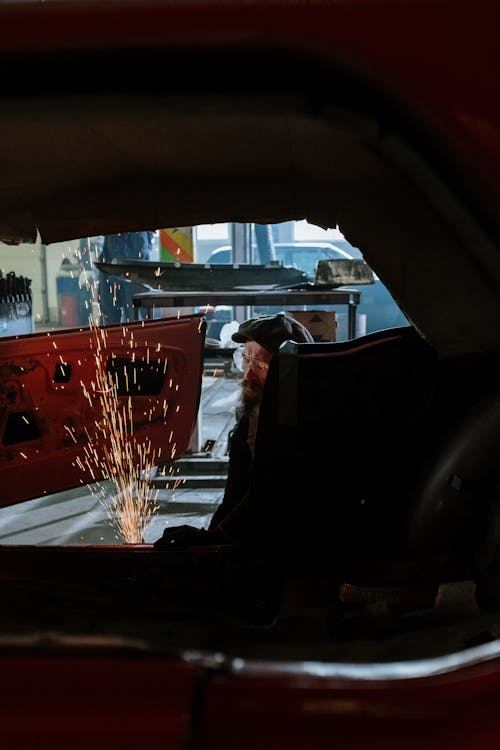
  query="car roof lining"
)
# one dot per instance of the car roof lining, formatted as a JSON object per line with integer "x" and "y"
{"x": 89, "y": 163}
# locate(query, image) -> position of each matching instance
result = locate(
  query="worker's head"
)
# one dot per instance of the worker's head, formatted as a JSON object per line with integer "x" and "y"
{"x": 260, "y": 338}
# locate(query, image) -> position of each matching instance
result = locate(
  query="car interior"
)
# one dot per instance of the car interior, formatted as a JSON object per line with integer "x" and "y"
{"x": 373, "y": 535}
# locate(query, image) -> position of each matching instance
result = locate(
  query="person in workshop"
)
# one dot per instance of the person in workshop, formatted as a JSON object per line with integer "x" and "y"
{"x": 116, "y": 295}
{"x": 259, "y": 339}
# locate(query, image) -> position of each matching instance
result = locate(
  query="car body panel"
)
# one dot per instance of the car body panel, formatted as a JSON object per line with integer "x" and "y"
{"x": 416, "y": 187}
{"x": 356, "y": 705}
{"x": 84, "y": 697}
{"x": 463, "y": 115}
{"x": 196, "y": 276}
{"x": 147, "y": 683}
{"x": 51, "y": 400}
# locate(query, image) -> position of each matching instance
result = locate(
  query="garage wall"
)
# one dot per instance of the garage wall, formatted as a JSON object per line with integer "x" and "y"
{"x": 27, "y": 260}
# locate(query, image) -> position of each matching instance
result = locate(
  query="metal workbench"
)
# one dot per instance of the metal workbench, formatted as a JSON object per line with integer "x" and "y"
{"x": 148, "y": 301}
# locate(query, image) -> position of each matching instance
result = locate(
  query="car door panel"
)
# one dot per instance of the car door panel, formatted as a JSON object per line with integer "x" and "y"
{"x": 70, "y": 400}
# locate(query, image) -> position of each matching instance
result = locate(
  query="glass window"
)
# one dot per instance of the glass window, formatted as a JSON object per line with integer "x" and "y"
{"x": 302, "y": 230}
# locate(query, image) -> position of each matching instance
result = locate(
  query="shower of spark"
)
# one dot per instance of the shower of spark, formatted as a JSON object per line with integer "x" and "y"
{"x": 114, "y": 451}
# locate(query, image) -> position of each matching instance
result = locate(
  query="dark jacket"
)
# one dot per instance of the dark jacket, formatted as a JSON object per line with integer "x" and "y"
{"x": 231, "y": 515}
{"x": 126, "y": 246}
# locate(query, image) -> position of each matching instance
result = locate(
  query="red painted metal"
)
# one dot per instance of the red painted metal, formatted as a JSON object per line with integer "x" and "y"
{"x": 438, "y": 59}
{"x": 65, "y": 417}
{"x": 83, "y": 699}
{"x": 298, "y": 710}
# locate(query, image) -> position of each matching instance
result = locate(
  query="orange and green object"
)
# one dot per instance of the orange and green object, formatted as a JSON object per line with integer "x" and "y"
{"x": 176, "y": 245}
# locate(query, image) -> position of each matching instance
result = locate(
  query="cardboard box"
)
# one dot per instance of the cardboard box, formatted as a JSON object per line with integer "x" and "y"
{"x": 321, "y": 324}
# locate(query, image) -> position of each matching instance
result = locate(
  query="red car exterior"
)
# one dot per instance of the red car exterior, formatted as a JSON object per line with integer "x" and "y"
{"x": 438, "y": 58}
{"x": 440, "y": 61}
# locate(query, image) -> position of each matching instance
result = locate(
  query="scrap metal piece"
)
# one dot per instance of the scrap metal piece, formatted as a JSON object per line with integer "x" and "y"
{"x": 204, "y": 277}
{"x": 344, "y": 272}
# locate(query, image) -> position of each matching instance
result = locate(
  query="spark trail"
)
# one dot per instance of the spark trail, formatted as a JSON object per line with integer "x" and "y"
{"x": 114, "y": 451}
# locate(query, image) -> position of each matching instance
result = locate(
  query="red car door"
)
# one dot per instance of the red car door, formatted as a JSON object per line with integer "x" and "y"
{"x": 80, "y": 405}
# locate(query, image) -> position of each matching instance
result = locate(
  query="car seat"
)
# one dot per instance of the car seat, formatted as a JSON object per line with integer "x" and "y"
{"x": 372, "y": 460}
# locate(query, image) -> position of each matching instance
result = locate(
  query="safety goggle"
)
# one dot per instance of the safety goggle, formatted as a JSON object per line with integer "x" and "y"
{"x": 243, "y": 361}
